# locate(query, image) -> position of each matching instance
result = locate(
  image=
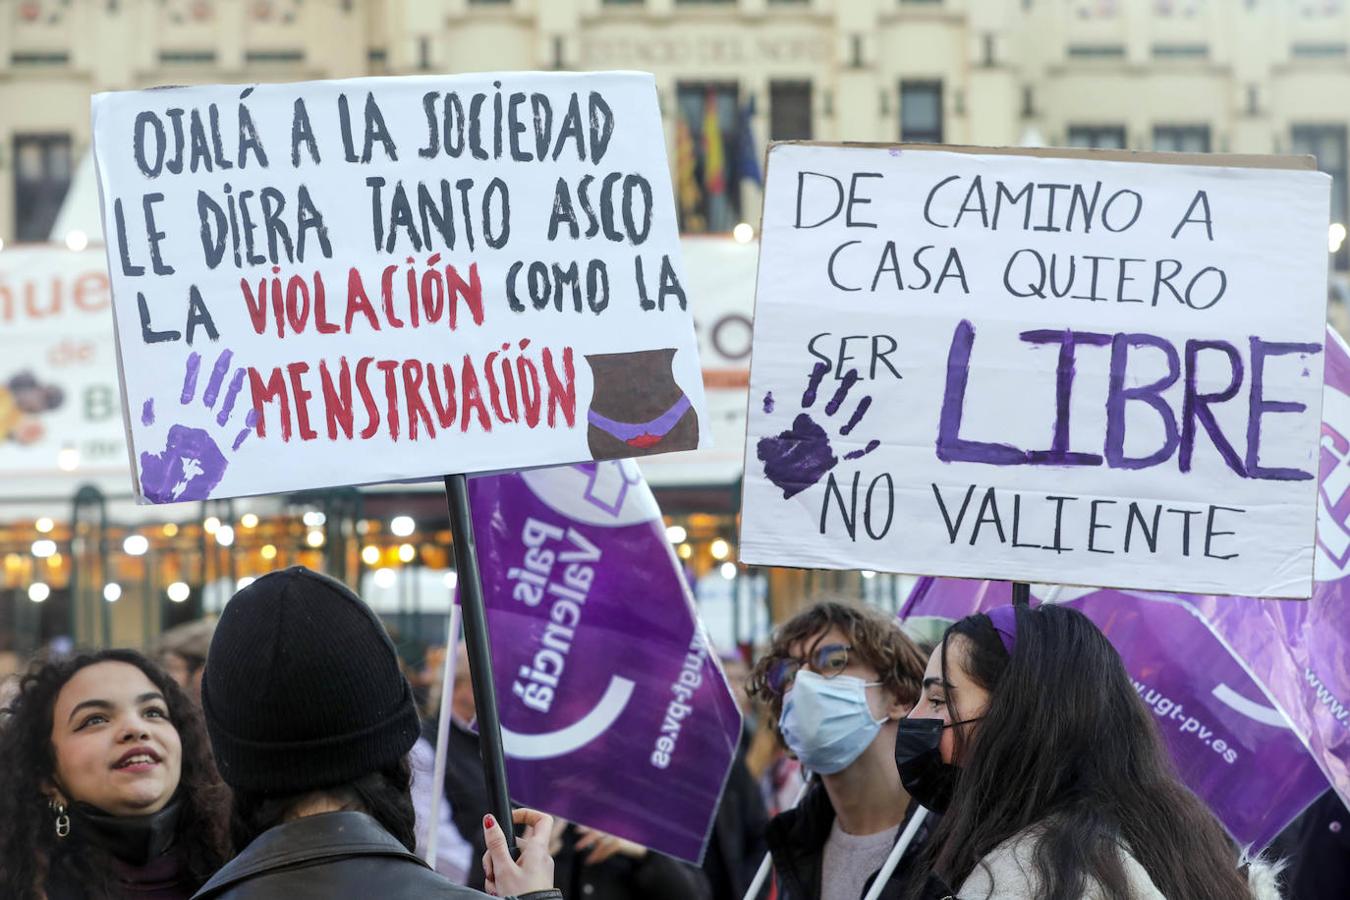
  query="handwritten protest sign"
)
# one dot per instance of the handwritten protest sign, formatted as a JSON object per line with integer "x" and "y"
{"x": 360, "y": 281}
{"x": 1041, "y": 368}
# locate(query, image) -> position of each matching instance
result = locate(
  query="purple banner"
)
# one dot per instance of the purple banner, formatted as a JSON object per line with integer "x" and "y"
{"x": 614, "y": 711}
{"x": 1230, "y": 747}
{"x": 1298, "y": 650}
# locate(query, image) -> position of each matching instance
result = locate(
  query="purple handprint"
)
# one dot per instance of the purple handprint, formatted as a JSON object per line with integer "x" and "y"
{"x": 192, "y": 462}
{"x": 799, "y": 457}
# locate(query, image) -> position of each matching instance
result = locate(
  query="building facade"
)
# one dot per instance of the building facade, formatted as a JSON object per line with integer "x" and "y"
{"x": 1242, "y": 76}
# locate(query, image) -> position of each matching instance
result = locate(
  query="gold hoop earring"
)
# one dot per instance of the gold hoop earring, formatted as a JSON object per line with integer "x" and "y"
{"x": 62, "y": 819}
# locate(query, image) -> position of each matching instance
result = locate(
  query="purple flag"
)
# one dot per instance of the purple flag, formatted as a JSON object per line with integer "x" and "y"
{"x": 615, "y": 713}
{"x": 1298, "y": 649}
{"x": 1230, "y": 747}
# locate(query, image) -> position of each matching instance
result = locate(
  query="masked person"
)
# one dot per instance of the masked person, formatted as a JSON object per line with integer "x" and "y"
{"x": 107, "y": 789}
{"x": 312, "y": 720}
{"x": 838, "y": 678}
{"x": 1051, "y": 776}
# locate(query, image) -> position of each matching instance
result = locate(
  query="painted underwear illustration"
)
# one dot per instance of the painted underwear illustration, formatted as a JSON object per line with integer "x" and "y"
{"x": 642, "y": 435}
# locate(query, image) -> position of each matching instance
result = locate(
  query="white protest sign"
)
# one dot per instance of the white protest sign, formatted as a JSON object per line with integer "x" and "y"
{"x": 359, "y": 281}
{"x": 1069, "y": 369}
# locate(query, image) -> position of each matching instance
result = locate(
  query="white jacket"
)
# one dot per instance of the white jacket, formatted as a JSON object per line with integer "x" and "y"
{"x": 1008, "y": 873}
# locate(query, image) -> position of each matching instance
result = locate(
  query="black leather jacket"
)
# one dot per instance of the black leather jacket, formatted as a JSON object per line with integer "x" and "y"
{"x": 333, "y": 856}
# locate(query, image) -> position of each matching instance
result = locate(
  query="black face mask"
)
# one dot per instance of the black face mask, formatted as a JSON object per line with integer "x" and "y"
{"x": 924, "y": 775}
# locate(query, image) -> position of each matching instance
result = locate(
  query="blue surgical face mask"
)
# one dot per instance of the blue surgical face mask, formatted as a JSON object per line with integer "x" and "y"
{"x": 826, "y": 722}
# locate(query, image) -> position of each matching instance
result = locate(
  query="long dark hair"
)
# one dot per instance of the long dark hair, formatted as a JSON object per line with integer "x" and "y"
{"x": 29, "y": 849}
{"x": 1068, "y": 752}
{"x": 385, "y": 795}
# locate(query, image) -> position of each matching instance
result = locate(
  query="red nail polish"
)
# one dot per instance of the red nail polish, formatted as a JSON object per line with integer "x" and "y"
{"x": 487, "y": 821}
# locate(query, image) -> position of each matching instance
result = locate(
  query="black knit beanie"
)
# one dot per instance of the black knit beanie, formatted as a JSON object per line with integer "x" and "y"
{"x": 302, "y": 687}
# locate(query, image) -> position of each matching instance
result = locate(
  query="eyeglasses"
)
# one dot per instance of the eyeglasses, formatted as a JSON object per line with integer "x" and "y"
{"x": 827, "y": 661}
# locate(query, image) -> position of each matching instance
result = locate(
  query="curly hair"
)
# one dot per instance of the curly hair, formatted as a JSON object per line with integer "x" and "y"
{"x": 29, "y": 850}
{"x": 875, "y": 637}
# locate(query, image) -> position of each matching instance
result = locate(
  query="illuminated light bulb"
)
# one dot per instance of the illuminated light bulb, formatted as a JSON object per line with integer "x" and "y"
{"x": 676, "y": 534}
{"x": 44, "y": 525}
{"x": 744, "y": 233}
{"x": 314, "y": 519}
{"x": 385, "y": 578}
{"x": 248, "y": 520}
{"x": 728, "y": 570}
{"x": 407, "y": 553}
{"x": 170, "y": 529}
{"x": 402, "y": 526}
{"x": 135, "y": 545}
{"x": 44, "y": 548}
{"x": 244, "y": 582}
{"x": 210, "y": 524}
{"x": 112, "y": 592}
{"x": 685, "y": 551}
{"x": 370, "y": 554}
{"x": 268, "y": 551}
{"x": 719, "y": 549}
{"x": 38, "y": 592}
{"x": 224, "y": 535}
{"x": 178, "y": 591}
{"x": 314, "y": 539}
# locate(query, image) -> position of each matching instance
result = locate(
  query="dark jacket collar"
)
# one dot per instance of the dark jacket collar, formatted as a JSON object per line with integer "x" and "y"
{"x": 307, "y": 840}
{"x": 796, "y": 839}
{"x": 135, "y": 840}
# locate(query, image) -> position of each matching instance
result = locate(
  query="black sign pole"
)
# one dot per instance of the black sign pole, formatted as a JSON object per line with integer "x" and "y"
{"x": 480, "y": 656}
{"x": 1021, "y": 593}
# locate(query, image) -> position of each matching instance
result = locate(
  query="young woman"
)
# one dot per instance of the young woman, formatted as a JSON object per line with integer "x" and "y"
{"x": 107, "y": 789}
{"x": 1050, "y": 774}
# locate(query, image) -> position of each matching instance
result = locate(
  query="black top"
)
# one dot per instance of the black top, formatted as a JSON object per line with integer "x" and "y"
{"x": 797, "y": 836}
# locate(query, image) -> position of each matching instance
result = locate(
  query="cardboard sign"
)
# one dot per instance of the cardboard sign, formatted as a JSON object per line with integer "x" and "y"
{"x": 360, "y": 281}
{"x": 1070, "y": 369}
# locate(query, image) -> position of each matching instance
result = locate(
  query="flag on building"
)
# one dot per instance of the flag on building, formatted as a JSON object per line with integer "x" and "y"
{"x": 747, "y": 157}
{"x": 687, "y": 191}
{"x": 714, "y": 154}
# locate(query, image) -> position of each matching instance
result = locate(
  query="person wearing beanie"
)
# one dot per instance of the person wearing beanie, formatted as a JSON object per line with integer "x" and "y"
{"x": 312, "y": 721}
